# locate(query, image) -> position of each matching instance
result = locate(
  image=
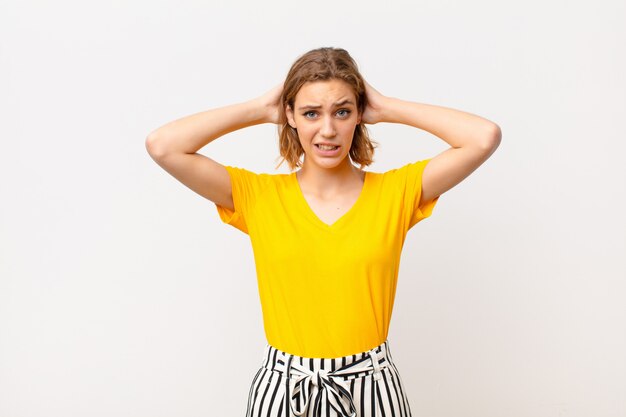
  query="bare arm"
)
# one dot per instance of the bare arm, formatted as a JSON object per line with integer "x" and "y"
{"x": 472, "y": 139}
{"x": 190, "y": 134}
{"x": 174, "y": 146}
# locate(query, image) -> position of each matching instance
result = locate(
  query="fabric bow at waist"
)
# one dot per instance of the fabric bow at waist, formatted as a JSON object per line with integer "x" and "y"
{"x": 302, "y": 382}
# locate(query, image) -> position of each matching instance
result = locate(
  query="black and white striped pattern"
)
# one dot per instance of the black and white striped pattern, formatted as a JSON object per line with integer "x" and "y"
{"x": 328, "y": 387}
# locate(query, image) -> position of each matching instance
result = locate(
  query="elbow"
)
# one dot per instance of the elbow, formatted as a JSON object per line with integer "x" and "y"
{"x": 493, "y": 139}
{"x": 497, "y": 133}
{"x": 153, "y": 147}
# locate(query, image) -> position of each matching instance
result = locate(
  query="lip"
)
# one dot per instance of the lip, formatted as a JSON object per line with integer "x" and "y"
{"x": 327, "y": 153}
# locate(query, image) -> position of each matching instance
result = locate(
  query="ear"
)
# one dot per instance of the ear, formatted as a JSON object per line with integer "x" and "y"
{"x": 289, "y": 114}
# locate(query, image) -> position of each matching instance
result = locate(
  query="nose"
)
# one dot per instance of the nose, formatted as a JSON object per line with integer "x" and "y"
{"x": 328, "y": 128}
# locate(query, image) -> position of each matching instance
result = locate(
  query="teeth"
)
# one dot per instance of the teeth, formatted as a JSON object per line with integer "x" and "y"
{"x": 327, "y": 148}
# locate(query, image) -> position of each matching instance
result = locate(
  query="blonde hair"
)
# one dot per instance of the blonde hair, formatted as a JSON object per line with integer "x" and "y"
{"x": 323, "y": 64}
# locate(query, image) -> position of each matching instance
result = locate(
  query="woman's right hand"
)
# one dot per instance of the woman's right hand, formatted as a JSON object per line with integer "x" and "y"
{"x": 271, "y": 102}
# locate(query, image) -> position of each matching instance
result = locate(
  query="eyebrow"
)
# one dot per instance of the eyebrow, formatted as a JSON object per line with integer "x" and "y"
{"x": 339, "y": 103}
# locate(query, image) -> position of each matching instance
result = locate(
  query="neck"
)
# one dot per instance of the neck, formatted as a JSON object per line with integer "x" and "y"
{"x": 329, "y": 182}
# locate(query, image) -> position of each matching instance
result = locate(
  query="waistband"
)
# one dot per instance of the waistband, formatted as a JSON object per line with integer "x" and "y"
{"x": 310, "y": 377}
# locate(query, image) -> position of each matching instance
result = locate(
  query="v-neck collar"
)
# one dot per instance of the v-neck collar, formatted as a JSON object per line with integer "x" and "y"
{"x": 340, "y": 221}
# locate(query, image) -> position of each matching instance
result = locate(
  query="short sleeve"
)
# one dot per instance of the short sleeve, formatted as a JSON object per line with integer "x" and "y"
{"x": 245, "y": 185}
{"x": 410, "y": 179}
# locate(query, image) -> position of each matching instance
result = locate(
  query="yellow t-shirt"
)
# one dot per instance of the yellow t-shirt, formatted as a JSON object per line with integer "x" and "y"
{"x": 326, "y": 290}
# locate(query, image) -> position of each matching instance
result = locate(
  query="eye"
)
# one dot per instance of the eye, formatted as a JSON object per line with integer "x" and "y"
{"x": 346, "y": 113}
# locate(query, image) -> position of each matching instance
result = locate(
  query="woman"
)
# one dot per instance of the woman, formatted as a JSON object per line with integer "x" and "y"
{"x": 327, "y": 238}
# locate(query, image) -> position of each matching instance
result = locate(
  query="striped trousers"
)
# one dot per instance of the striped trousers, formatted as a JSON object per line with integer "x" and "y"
{"x": 365, "y": 384}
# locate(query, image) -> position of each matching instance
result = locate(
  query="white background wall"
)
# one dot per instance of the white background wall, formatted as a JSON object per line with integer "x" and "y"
{"x": 123, "y": 294}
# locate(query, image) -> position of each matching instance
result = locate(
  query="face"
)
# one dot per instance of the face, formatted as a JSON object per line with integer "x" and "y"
{"x": 325, "y": 112}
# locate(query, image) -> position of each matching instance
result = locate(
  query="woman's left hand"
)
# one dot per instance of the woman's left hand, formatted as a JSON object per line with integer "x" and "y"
{"x": 373, "y": 112}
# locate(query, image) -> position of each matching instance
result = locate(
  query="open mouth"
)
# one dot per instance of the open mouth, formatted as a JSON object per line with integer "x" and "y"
{"x": 326, "y": 148}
